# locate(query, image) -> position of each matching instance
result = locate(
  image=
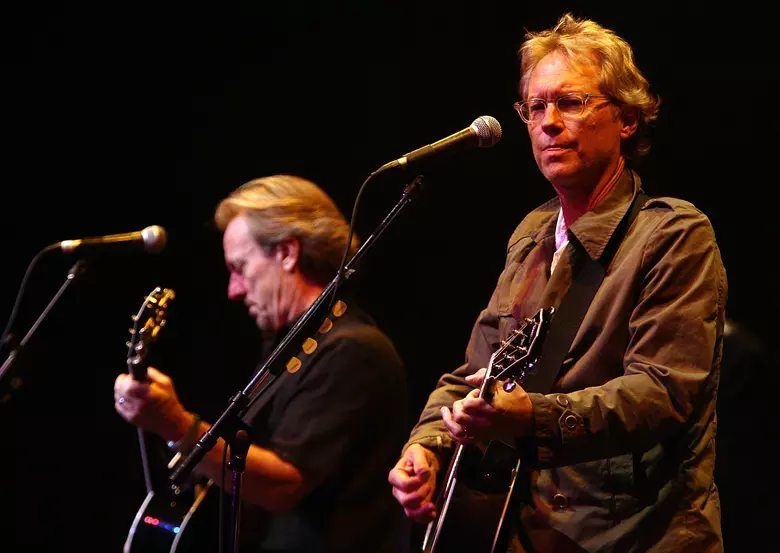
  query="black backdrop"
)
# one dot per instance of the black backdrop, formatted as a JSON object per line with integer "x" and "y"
{"x": 117, "y": 119}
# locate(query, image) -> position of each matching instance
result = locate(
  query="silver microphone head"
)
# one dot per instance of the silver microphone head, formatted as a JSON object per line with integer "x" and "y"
{"x": 155, "y": 237}
{"x": 488, "y": 131}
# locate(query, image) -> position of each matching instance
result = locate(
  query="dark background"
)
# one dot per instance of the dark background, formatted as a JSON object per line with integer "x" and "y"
{"x": 117, "y": 119}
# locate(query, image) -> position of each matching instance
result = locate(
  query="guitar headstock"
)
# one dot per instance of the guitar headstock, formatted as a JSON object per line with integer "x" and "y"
{"x": 519, "y": 353}
{"x": 147, "y": 324}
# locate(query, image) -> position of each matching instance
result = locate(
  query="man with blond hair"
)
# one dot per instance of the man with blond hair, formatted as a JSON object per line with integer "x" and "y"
{"x": 617, "y": 454}
{"x": 317, "y": 466}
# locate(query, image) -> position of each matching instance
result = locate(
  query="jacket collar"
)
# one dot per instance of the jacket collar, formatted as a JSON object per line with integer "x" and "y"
{"x": 594, "y": 228}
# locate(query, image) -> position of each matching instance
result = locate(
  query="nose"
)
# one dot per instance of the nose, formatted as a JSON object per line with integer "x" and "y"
{"x": 551, "y": 123}
{"x": 236, "y": 287}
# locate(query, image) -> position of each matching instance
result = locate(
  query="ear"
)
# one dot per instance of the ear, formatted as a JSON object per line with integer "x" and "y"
{"x": 288, "y": 253}
{"x": 629, "y": 116}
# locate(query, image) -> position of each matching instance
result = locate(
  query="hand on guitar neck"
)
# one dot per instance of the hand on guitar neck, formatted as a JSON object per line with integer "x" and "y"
{"x": 504, "y": 412}
{"x": 152, "y": 405}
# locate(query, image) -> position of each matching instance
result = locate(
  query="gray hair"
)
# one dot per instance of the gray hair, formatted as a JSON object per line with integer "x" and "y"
{"x": 282, "y": 207}
{"x": 586, "y": 42}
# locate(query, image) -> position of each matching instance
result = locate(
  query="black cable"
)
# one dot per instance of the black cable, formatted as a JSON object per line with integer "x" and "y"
{"x": 15, "y": 311}
{"x": 339, "y": 274}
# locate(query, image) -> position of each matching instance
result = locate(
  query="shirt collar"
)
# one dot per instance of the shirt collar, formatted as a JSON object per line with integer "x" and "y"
{"x": 561, "y": 231}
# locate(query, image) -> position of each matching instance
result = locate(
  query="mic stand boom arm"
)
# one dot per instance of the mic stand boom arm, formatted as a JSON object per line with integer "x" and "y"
{"x": 229, "y": 422}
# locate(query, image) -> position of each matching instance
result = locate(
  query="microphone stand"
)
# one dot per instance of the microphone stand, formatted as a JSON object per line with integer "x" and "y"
{"x": 239, "y": 447}
{"x": 229, "y": 423}
{"x": 74, "y": 271}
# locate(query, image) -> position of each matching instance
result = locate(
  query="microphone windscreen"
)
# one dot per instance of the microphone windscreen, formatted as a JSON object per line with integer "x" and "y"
{"x": 155, "y": 237}
{"x": 488, "y": 131}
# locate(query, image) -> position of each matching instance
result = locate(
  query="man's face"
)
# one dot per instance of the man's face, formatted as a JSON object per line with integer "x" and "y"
{"x": 255, "y": 276}
{"x": 573, "y": 153}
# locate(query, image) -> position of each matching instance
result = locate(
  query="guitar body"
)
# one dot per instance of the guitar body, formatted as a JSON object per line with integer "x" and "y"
{"x": 170, "y": 520}
{"x": 474, "y": 514}
{"x": 183, "y": 523}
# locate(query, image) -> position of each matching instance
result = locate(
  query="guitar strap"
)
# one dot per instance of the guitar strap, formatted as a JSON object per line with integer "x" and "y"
{"x": 588, "y": 275}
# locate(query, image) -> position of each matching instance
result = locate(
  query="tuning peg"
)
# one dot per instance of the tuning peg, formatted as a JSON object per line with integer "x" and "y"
{"x": 339, "y": 308}
{"x": 293, "y": 365}
{"x": 309, "y": 346}
{"x": 326, "y": 325}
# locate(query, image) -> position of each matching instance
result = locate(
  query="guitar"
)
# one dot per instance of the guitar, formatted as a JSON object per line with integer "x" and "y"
{"x": 165, "y": 514}
{"x": 479, "y": 483}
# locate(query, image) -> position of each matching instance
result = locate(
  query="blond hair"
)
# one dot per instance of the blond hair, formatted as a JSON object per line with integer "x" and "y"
{"x": 585, "y": 42}
{"x": 283, "y": 207}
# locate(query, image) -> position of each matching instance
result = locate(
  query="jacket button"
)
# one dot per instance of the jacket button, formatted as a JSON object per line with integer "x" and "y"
{"x": 560, "y": 502}
{"x": 570, "y": 421}
{"x": 562, "y": 400}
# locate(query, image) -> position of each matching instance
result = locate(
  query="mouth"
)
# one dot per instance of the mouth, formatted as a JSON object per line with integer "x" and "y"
{"x": 557, "y": 147}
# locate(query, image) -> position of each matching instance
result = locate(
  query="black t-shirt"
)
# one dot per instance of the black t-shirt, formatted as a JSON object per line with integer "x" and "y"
{"x": 340, "y": 419}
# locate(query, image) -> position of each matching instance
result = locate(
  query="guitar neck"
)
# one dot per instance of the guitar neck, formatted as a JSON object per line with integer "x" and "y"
{"x": 147, "y": 324}
{"x": 137, "y": 369}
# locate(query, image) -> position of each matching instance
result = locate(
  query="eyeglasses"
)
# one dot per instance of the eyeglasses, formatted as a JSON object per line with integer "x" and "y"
{"x": 570, "y": 106}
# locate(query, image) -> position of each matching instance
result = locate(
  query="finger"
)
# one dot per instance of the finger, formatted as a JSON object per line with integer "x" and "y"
{"x": 456, "y": 431}
{"x": 477, "y": 378}
{"x": 411, "y": 500}
{"x": 459, "y": 415}
{"x": 400, "y": 479}
{"x": 473, "y": 405}
{"x": 417, "y": 457}
{"x": 157, "y": 376}
{"x": 452, "y": 427}
{"x": 121, "y": 382}
{"x": 136, "y": 390}
{"x": 424, "y": 513}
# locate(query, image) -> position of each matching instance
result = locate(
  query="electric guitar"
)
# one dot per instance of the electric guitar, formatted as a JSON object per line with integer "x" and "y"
{"x": 477, "y": 489}
{"x": 167, "y": 520}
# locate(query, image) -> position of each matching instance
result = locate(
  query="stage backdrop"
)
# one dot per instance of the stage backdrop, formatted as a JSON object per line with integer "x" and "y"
{"x": 120, "y": 117}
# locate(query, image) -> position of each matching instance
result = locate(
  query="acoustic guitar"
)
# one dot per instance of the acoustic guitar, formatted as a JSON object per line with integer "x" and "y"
{"x": 170, "y": 519}
{"x": 477, "y": 489}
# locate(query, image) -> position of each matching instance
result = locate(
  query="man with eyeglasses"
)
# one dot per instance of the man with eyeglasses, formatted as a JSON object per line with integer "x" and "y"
{"x": 618, "y": 454}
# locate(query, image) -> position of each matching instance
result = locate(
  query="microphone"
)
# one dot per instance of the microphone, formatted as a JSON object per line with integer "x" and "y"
{"x": 484, "y": 132}
{"x": 152, "y": 239}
